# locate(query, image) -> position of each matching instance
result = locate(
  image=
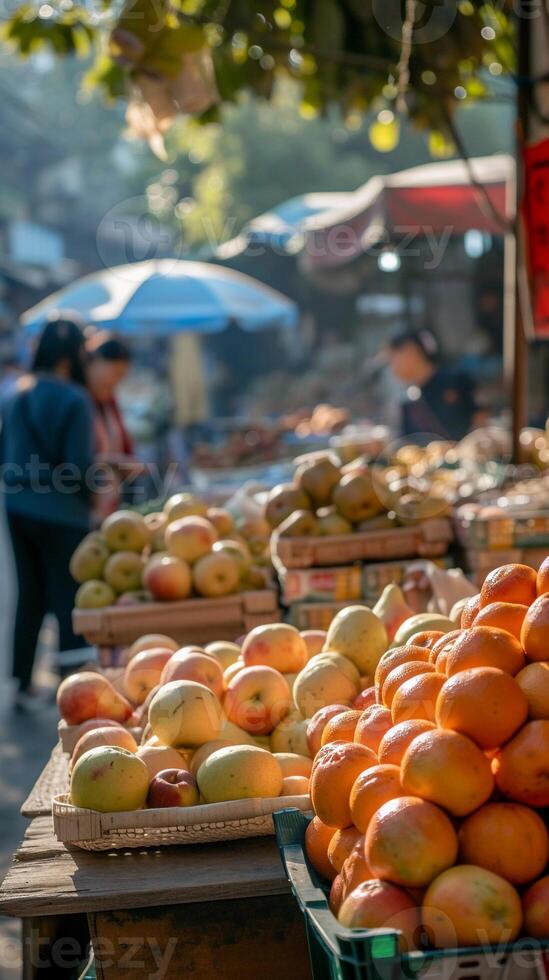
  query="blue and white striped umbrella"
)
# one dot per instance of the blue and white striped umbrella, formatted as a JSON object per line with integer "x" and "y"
{"x": 166, "y": 296}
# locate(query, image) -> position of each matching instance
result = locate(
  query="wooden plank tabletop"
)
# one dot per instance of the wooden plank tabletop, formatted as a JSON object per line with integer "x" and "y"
{"x": 53, "y": 780}
{"x": 47, "y": 879}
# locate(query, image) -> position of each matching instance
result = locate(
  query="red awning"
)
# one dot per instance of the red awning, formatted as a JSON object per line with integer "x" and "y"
{"x": 434, "y": 199}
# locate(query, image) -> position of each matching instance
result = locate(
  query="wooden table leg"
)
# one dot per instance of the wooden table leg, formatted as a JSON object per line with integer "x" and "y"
{"x": 53, "y": 946}
{"x": 244, "y": 939}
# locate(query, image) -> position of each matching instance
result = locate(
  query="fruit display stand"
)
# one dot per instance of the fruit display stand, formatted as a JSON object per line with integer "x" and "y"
{"x": 338, "y": 953}
{"x": 191, "y": 621}
{"x": 217, "y": 910}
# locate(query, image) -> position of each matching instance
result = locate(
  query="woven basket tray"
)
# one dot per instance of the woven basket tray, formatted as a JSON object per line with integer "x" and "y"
{"x": 205, "y": 824}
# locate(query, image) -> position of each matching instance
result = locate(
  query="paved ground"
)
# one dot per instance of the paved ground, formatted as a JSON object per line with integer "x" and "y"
{"x": 25, "y": 744}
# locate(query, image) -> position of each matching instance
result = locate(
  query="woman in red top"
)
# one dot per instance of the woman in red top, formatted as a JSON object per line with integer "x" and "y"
{"x": 109, "y": 361}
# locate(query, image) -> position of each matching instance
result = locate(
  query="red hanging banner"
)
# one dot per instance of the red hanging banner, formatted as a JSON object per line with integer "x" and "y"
{"x": 535, "y": 209}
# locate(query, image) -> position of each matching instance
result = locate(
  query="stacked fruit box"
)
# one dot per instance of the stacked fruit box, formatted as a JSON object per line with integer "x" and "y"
{"x": 492, "y": 536}
{"x": 340, "y": 535}
{"x": 191, "y": 569}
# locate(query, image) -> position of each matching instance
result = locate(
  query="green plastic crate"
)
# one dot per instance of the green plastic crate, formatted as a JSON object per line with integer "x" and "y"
{"x": 337, "y": 953}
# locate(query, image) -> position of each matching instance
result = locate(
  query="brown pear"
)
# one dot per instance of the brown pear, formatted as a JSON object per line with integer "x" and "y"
{"x": 300, "y": 524}
{"x": 283, "y": 500}
{"x": 318, "y": 475}
{"x": 355, "y": 497}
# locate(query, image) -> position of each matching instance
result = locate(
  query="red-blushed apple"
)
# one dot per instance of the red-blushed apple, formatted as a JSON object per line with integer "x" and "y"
{"x": 143, "y": 672}
{"x": 365, "y": 698}
{"x": 125, "y": 530}
{"x": 257, "y": 699}
{"x": 90, "y": 695}
{"x": 276, "y": 645}
{"x": 194, "y": 665}
{"x": 156, "y": 525}
{"x": 152, "y": 640}
{"x": 124, "y": 571}
{"x": 190, "y": 538}
{"x": 92, "y": 723}
{"x": 232, "y": 670}
{"x": 238, "y": 551}
{"x": 318, "y": 722}
{"x": 173, "y": 787}
{"x": 114, "y": 735}
{"x": 158, "y": 757}
{"x": 223, "y": 651}
{"x": 184, "y": 505}
{"x": 314, "y": 641}
{"x": 167, "y": 579}
{"x": 216, "y": 575}
{"x": 222, "y": 521}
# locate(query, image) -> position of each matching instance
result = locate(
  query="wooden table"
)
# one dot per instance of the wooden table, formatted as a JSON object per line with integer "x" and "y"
{"x": 211, "y": 912}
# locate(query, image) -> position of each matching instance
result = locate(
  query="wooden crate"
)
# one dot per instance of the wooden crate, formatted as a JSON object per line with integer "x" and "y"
{"x": 480, "y": 561}
{"x": 316, "y": 615}
{"x": 429, "y": 539}
{"x": 528, "y": 530}
{"x": 190, "y": 621}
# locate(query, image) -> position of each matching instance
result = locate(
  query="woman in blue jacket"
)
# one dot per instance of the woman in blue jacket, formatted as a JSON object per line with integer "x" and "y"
{"x": 47, "y": 475}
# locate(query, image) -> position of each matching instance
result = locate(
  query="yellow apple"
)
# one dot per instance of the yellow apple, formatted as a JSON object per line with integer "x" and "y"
{"x": 325, "y": 680}
{"x": 227, "y": 653}
{"x": 358, "y": 634}
{"x": 159, "y": 757}
{"x": 184, "y": 713}
{"x": 276, "y": 645}
{"x": 257, "y": 699}
{"x": 239, "y": 772}
{"x": 291, "y": 735}
{"x": 109, "y": 779}
{"x": 293, "y": 764}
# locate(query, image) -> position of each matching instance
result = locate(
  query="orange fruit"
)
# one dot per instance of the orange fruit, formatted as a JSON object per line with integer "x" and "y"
{"x": 535, "y": 907}
{"x": 505, "y": 615}
{"x": 417, "y": 698}
{"x": 394, "y": 743}
{"x": 533, "y": 681}
{"x": 469, "y": 906}
{"x": 484, "y": 703}
{"x": 521, "y": 767}
{"x": 336, "y": 767}
{"x": 469, "y": 611}
{"x": 341, "y": 846}
{"x": 449, "y": 769}
{"x": 485, "y": 646}
{"x": 317, "y": 840}
{"x": 341, "y": 728}
{"x": 509, "y": 839}
{"x": 380, "y": 905}
{"x": 409, "y": 842}
{"x": 400, "y": 674}
{"x": 426, "y": 638}
{"x": 336, "y": 895}
{"x": 372, "y": 725}
{"x": 372, "y": 788}
{"x": 509, "y": 583}
{"x": 355, "y": 869}
{"x": 441, "y": 649}
{"x": 365, "y": 698}
{"x": 318, "y": 722}
{"x": 535, "y": 630}
{"x": 542, "y": 579}
{"x": 394, "y": 658}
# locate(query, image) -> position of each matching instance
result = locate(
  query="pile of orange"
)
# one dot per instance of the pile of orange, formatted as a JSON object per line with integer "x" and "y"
{"x": 429, "y": 803}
